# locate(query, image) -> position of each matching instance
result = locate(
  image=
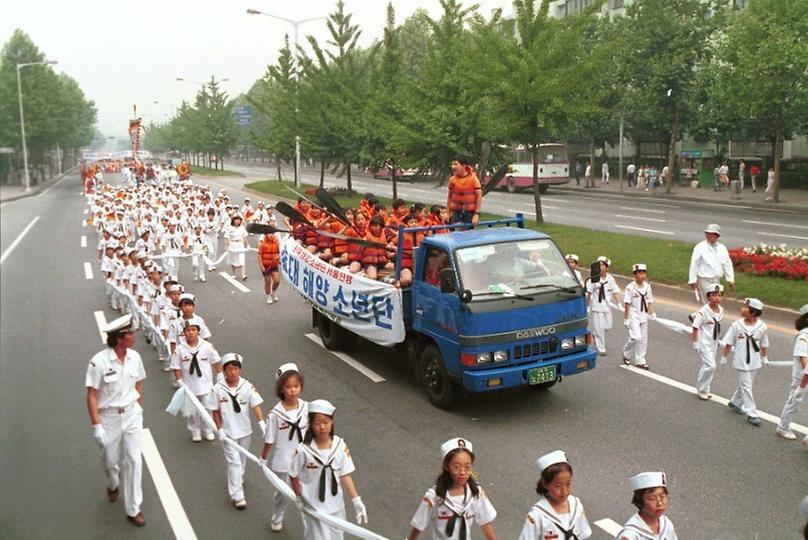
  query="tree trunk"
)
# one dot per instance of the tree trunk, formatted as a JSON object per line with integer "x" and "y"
{"x": 277, "y": 166}
{"x": 777, "y": 151}
{"x": 536, "y": 194}
{"x": 348, "y": 170}
{"x": 322, "y": 173}
{"x": 221, "y": 162}
{"x": 672, "y": 151}
{"x": 395, "y": 182}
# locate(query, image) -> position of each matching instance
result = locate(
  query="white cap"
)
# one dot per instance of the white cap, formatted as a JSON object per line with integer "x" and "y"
{"x": 551, "y": 459}
{"x": 453, "y": 444}
{"x": 605, "y": 260}
{"x": 572, "y": 257}
{"x": 321, "y": 406}
{"x": 193, "y": 321}
{"x": 648, "y": 480}
{"x": 754, "y": 303}
{"x": 187, "y": 297}
{"x": 112, "y": 244}
{"x": 120, "y": 324}
{"x": 289, "y": 366}
{"x": 713, "y": 228}
{"x": 804, "y": 309}
{"x": 232, "y": 357}
{"x": 157, "y": 268}
{"x": 716, "y": 288}
{"x": 259, "y": 203}
{"x": 639, "y": 267}
{"x": 176, "y": 288}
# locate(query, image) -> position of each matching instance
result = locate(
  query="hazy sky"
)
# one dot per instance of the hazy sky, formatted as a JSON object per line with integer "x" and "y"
{"x": 126, "y": 53}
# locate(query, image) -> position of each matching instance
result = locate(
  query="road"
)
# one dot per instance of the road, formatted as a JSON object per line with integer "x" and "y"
{"x": 672, "y": 220}
{"x": 728, "y": 479}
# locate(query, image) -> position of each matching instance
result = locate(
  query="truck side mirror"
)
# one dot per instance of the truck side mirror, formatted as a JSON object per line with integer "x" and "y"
{"x": 447, "y": 281}
{"x": 594, "y": 272}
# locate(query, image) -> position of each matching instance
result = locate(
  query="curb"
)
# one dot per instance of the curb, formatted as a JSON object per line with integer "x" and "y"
{"x": 42, "y": 186}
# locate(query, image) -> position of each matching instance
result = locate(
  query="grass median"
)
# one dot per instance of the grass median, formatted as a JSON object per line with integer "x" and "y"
{"x": 668, "y": 260}
{"x": 207, "y": 171}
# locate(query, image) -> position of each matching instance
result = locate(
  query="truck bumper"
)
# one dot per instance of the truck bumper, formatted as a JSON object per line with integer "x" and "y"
{"x": 484, "y": 380}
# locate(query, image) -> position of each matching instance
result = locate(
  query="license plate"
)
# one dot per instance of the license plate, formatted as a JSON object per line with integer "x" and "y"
{"x": 541, "y": 374}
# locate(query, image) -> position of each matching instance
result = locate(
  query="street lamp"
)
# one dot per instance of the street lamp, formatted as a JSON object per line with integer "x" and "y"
{"x": 22, "y": 118}
{"x": 295, "y": 24}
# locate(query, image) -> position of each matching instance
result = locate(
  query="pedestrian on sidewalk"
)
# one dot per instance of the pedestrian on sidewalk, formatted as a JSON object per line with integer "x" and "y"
{"x": 604, "y": 173}
{"x": 578, "y": 172}
{"x": 723, "y": 174}
{"x": 630, "y": 170}
{"x": 754, "y": 171}
{"x": 638, "y": 300}
{"x": 709, "y": 263}
{"x": 706, "y": 331}
{"x": 588, "y": 180}
{"x": 770, "y": 185}
{"x": 799, "y": 376}
{"x": 742, "y": 173}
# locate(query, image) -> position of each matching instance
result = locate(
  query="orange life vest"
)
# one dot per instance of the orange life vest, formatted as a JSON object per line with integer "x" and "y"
{"x": 374, "y": 255}
{"x": 354, "y": 249}
{"x": 463, "y": 192}
{"x": 270, "y": 251}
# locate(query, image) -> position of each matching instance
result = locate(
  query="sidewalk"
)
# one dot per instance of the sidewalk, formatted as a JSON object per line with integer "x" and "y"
{"x": 13, "y": 192}
{"x": 790, "y": 199}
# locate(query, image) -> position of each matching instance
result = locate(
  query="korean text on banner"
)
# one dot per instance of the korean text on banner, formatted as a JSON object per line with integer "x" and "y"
{"x": 366, "y": 307}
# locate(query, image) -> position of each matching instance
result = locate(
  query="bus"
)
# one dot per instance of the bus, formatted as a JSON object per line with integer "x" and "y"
{"x": 554, "y": 168}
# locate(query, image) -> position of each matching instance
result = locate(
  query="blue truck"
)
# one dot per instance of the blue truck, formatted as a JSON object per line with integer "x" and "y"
{"x": 489, "y": 308}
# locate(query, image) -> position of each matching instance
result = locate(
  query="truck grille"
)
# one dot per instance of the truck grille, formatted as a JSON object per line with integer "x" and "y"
{"x": 537, "y": 348}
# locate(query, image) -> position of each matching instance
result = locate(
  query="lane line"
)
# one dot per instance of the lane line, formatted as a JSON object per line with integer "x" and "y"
{"x": 716, "y": 398}
{"x": 783, "y": 236}
{"x": 367, "y": 372}
{"x": 234, "y": 282}
{"x": 83, "y": 241}
{"x": 175, "y": 513}
{"x": 83, "y": 222}
{"x": 774, "y": 224}
{"x": 663, "y": 205}
{"x": 88, "y": 271}
{"x": 657, "y": 220}
{"x": 644, "y": 230}
{"x": 648, "y": 210}
{"x": 610, "y": 526}
{"x": 101, "y": 322}
{"x": 17, "y": 240}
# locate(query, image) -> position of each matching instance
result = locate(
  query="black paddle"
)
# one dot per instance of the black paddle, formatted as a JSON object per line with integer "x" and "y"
{"x": 263, "y": 228}
{"x": 287, "y": 210}
{"x": 333, "y": 207}
{"x": 494, "y": 180}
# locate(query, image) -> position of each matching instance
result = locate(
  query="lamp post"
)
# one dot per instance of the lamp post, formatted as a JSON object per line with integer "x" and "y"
{"x": 296, "y": 24}
{"x": 22, "y": 118}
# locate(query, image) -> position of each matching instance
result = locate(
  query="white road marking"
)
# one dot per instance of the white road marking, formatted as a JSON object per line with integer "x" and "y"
{"x": 175, "y": 513}
{"x": 774, "y": 224}
{"x": 83, "y": 222}
{"x": 88, "y": 271}
{"x": 609, "y": 525}
{"x": 17, "y": 240}
{"x": 643, "y": 210}
{"x": 642, "y": 218}
{"x": 718, "y": 399}
{"x": 663, "y": 205}
{"x": 83, "y": 241}
{"x": 783, "y": 235}
{"x": 234, "y": 282}
{"x": 644, "y": 230}
{"x": 548, "y": 199}
{"x": 101, "y": 322}
{"x": 367, "y": 372}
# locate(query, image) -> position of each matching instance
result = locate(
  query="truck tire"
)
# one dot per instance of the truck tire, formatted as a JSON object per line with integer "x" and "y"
{"x": 441, "y": 390}
{"x": 348, "y": 340}
{"x": 510, "y": 184}
{"x": 332, "y": 334}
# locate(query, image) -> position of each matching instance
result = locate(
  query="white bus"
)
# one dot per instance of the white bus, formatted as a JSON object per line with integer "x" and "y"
{"x": 554, "y": 168}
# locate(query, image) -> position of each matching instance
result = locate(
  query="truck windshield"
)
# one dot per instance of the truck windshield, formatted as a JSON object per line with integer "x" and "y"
{"x": 510, "y": 268}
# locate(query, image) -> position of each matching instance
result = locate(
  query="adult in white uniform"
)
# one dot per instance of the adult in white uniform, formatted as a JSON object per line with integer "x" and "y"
{"x": 706, "y": 331}
{"x": 236, "y": 245}
{"x": 211, "y": 228}
{"x": 709, "y": 263}
{"x": 601, "y": 297}
{"x": 799, "y": 377}
{"x": 638, "y": 300}
{"x": 114, "y": 384}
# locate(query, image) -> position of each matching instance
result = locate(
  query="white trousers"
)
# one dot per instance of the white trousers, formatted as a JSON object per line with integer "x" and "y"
{"x": 122, "y": 451}
{"x": 197, "y": 262}
{"x": 637, "y": 344}
{"x": 195, "y": 423}
{"x": 279, "y": 500}
{"x": 171, "y": 267}
{"x": 742, "y": 397}
{"x": 317, "y": 530}
{"x": 704, "y": 284}
{"x": 791, "y": 406}
{"x": 707, "y": 369}
{"x": 600, "y": 321}
{"x": 213, "y": 247}
{"x": 236, "y": 465}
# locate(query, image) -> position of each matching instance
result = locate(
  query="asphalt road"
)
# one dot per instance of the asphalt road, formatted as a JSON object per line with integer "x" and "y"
{"x": 672, "y": 220}
{"x": 728, "y": 479}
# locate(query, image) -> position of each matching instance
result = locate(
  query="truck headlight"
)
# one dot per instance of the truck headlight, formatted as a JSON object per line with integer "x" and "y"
{"x": 500, "y": 356}
{"x": 567, "y": 343}
{"x": 483, "y": 357}
{"x": 580, "y": 341}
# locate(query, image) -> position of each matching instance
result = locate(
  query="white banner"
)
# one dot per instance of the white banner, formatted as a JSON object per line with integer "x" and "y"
{"x": 366, "y": 307}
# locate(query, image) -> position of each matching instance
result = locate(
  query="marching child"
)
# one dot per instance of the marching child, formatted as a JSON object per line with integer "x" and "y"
{"x": 318, "y": 461}
{"x": 233, "y": 398}
{"x": 706, "y": 329}
{"x": 269, "y": 257}
{"x": 639, "y": 306}
{"x": 799, "y": 377}
{"x": 450, "y": 507}
{"x": 600, "y": 295}
{"x": 651, "y": 499}
{"x": 288, "y": 422}
{"x": 748, "y": 340}
{"x": 198, "y": 245}
{"x": 558, "y": 513}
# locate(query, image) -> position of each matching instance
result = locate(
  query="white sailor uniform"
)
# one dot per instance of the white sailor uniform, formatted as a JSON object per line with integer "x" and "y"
{"x": 746, "y": 342}
{"x": 199, "y": 248}
{"x": 795, "y": 394}
{"x": 543, "y": 523}
{"x": 196, "y": 366}
{"x": 601, "y": 297}
{"x": 708, "y": 324}
{"x": 451, "y": 517}
{"x": 236, "y": 246}
{"x": 636, "y": 529}
{"x": 285, "y": 430}
{"x": 639, "y": 298}
{"x": 211, "y": 229}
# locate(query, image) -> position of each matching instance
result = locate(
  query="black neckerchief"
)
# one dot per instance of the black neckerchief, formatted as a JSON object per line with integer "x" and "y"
{"x": 602, "y": 292}
{"x": 195, "y": 364}
{"x": 233, "y": 397}
{"x": 294, "y": 426}
{"x": 325, "y": 465}
{"x": 569, "y": 534}
{"x": 450, "y": 524}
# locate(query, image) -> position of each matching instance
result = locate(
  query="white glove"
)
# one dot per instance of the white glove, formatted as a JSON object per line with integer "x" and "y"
{"x": 626, "y": 323}
{"x": 221, "y": 434}
{"x": 723, "y": 360}
{"x": 799, "y": 393}
{"x": 299, "y": 503}
{"x": 696, "y": 346}
{"x": 98, "y": 433}
{"x": 262, "y": 462}
{"x": 653, "y": 316}
{"x": 263, "y": 425}
{"x": 361, "y": 511}
{"x": 765, "y": 360}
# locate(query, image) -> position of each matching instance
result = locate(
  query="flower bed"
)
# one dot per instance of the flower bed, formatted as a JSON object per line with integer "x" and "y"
{"x": 776, "y": 261}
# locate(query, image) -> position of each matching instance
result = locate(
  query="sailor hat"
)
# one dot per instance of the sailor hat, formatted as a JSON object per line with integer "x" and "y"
{"x": 112, "y": 244}
{"x": 453, "y": 444}
{"x": 754, "y": 303}
{"x": 321, "y": 406}
{"x": 804, "y": 309}
{"x": 605, "y": 260}
{"x": 713, "y": 228}
{"x": 176, "y": 288}
{"x": 717, "y": 288}
{"x": 289, "y": 366}
{"x": 572, "y": 257}
{"x": 232, "y": 357}
{"x": 639, "y": 267}
{"x": 193, "y": 321}
{"x": 551, "y": 459}
{"x": 119, "y": 325}
{"x": 648, "y": 480}
{"x": 187, "y": 297}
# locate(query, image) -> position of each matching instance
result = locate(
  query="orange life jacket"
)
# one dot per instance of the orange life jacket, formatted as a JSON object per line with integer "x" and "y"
{"x": 407, "y": 249}
{"x": 339, "y": 246}
{"x": 375, "y": 255}
{"x": 354, "y": 249}
{"x": 270, "y": 251}
{"x": 463, "y": 192}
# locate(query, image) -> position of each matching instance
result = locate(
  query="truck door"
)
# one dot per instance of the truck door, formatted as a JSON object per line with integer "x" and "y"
{"x": 435, "y": 313}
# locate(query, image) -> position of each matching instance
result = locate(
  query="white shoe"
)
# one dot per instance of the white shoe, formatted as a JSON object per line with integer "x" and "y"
{"x": 196, "y": 437}
{"x": 786, "y": 434}
{"x": 275, "y": 298}
{"x": 209, "y": 436}
{"x": 196, "y": 278}
{"x": 241, "y": 505}
{"x": 175, "y": 383}
{"x": 703, "y": 395}
{"x": 276, "y": 527}
{"x": 269, "y": 299}
{"x": 203, "y": 279}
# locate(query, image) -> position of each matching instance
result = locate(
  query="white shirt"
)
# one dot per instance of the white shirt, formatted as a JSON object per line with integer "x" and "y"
{"x": 708, "y": 324}
{"x": 434, "y": 514}
{"x": 236, "y": 235}
{"x": 633, "y": 295}
{"x": 800, "y": 350}
{"x": 543, "y": 522}
{"x": 309, "y": 462}
{"x": 113, "y": 380}
{"x": 206, "y": 356}
{"x": 236, "y": 424}
{"x": 609, "y": 287}
{"x": 739, "y": 336}
{"x": 710, "y": 261}
{"x": 636, "y": 529}
{"x": 279, "y": 429}
{"x": 631, "y": 168}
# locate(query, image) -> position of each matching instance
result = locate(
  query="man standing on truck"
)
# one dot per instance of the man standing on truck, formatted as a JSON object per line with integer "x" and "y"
{"x": 465, "y": 193}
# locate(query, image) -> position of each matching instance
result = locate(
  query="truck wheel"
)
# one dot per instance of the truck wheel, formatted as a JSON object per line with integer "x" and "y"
{"x": 543, "y": 386}
{"x": 332, "y": 335}
{"x": 543, "y": 188}
{"x": 348, "y": 339}
{"x": 510, "y": 184}
{"x": 440, "y": 389}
